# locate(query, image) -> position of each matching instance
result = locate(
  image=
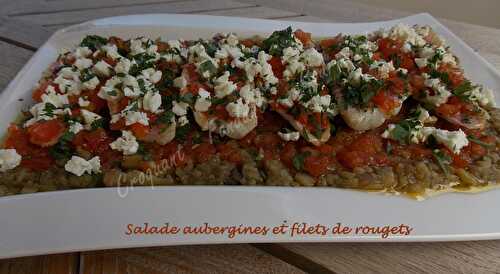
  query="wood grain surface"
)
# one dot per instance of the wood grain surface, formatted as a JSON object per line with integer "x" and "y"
{"x": 26, "y": 24}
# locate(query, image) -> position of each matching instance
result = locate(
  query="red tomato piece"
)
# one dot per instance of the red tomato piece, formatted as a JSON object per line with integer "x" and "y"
{"x": 46, "y": 133}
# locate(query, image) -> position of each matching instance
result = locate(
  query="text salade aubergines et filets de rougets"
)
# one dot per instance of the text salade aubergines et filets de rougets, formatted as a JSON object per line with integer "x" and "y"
{"x": 224, "y": 83}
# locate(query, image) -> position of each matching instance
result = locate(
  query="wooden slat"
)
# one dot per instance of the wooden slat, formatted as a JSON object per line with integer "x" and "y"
{"x": 251, "y": 12}
{"x": 184, "y": 259}
{"x": 457, "y": 257}
{"x": 22, "y": 33}
{"x": 37, "y": 6}
{"x": 48, "y": 19}
{"x": 50, "y": 264}
{"x": 13, "y": 59}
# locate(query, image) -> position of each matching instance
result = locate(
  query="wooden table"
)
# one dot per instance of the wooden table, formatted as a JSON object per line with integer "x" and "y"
{"x": 26, "y": 24}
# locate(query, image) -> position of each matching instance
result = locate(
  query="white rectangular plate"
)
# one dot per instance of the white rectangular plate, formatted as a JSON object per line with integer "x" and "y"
{"x": 97, "y": 218}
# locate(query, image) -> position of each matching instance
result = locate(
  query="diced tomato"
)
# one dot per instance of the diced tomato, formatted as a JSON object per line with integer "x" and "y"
{"x": 367, "y": 149}
{"x": 417, "y": 81}
{"x": 287, "y": 154}
{"x": 447, "y": 110}
{"x": 304, "y": 37}
{"x": 326, "y": 149}
{"x": 388, "y": 47}
{"x": 277, "y": 66}
{"x": 221, "y": 112}
{"x": 203, "y": 152}
{"x": 385, "y": 102}
{"x": 406, "y": 61}
{"x": 247, "y": 42}
{"x": 397, "y": 85}
{"x": 33, "y": 157}
{"x": 328, "y": 43}
{"x": 229, "y": 153}
{"x": 191, "y": 72}
{"x": 119, "y": 125}
{"x": 455, "y": 74}
{"x": 46, "y": 133}
{"x": 140, "y": 131}
{"x": 267, "y": 140}
{"x": 110, "y": 61}
{"x": 248, "y": 140}
{"x": 316, "y": 165}
{"x": 96, "y": 103}
{"x": 175, "y": 154}
{"x": 37, "y": 93}
{"x": 96, "y": 141}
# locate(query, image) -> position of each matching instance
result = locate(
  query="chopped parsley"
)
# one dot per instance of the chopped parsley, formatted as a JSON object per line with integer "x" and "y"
{"x": 278, "y": 41}
{"x": 93, "y": 42}
{"x": 299, "y": 159}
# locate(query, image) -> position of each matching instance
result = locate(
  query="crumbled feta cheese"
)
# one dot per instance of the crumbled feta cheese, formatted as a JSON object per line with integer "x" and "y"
{"x": 313, "y": 58}
{"x": 454, "y": 140}
{"x": 89, "y": 117}
{"x": 179, "y": 108}
{"x": 9, "y": 159}
{"x": 484, "y": 96}
{"x": 183, "y": 120}
{"x": 78, "y": 165}
{"x": 318, "y": 103}
{"x": 82, "y": 52}
{"x": 223, "y": 86}
{"x": 91, "y": 84}
{"x": 57, "y": 100}
{"x": 102, "y": 68}
{"x": 203, "y": 102}
{"x": 75, "y": 127}
{"x": 180, "y": 82}
{"x": 344, "y": 53}
{"x": 132, "y": 117}
{"x": 406, "y": 33}
{"x": 127, "y": 143}
{"x": 174, "y": 44}
{"x": 111, "y": 51}
{"x": 294, "y": 67}
{"x": 83, "y": 63}
{"x": 290, "y": 136}
{"x": 83, "y": 102}
{"x": 238, "y": 109}
{"x": 123, "y": 66}
{"x": 289, "y": 54}
{"x": 441, "y": 94}
{"x": 151, "y": 101}
{"x": 136, "y": 47}
{"x": 421, "y": 62}
{"x": 109, "y": 90}
{"x": 152, "y": 75}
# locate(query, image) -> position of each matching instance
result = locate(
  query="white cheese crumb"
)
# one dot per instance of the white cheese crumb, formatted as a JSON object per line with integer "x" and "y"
{"x": 89, "y": 117}
{"x": 123, "y": 66}
{"x": 102, "y": 68}
{"x": 132, "y": 117}
{"x": 179, "y": 108}
{"x": 126, "y": 144}
{"x": 290, "y": 136}
{"x": 78, "y": 166}
{"x": 9, "y": 159}
{"x": 91, "y": 84}
{"x": 223, "y": 86}
{"x": 203, "y": 102}
{"x": 180, "y": 82}
{"x": 151, "y": 101}
{"x": 238, "y": 109}
{"x": 75, "y": 127}
{"x": 83, "y": 63}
